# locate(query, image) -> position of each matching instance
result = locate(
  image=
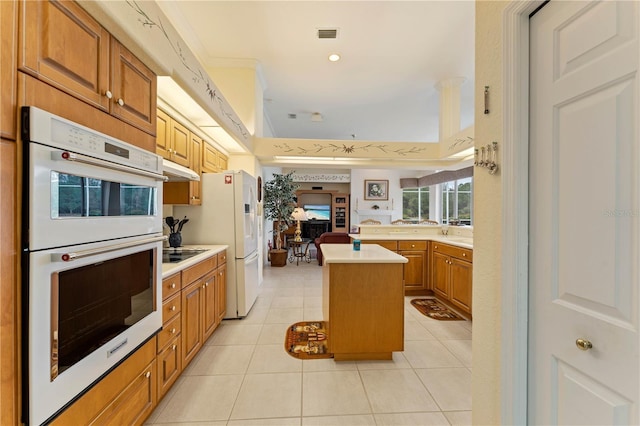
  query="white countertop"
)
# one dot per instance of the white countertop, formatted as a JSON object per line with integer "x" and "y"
{"x": 465, "y": 242}
{"x": 172, "y": 268}
{"x": 368, "y": 253}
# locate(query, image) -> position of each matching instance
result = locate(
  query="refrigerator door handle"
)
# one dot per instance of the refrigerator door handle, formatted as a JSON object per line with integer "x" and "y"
{"x": 252, "y": 258}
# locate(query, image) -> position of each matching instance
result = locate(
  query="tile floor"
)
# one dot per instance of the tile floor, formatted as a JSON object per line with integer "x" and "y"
{"x": 243, "y": 376}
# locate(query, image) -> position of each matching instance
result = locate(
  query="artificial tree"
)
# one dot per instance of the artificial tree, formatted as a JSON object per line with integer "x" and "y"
{"x": 279, "y": 202}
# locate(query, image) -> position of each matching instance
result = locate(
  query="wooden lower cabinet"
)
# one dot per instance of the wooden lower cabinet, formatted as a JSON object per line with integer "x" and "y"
{"x": 202, "y": 300}
{"x": 452, "y": 275}
{"x": 169, "y": 362}
{"x": 221, "y": 290}
{"x": 192, "y": 323}
{"x": 126, "y": 396}
{"x": 135, "y": 403}
{"x": 414, "y": 272}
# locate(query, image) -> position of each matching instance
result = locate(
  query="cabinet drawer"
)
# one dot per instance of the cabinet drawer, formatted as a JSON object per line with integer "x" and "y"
{"x": 171, "y": 285}
{"x": 459, "y": 252}
{"x": 222, "y": 257}
{"x": 412, "y": 245}
{"x": 171, "y": 307}
{"x": 169, "y": 330}
{"x": 390, "y": 245}
{"x": 198, "y": 270}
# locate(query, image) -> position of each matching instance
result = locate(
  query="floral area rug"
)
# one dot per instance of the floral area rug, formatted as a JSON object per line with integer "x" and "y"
{"x": 307, "y": 340}
{"x": 436, "y": 310}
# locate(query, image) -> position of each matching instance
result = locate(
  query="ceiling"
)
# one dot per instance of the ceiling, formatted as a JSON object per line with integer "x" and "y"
{"x": 393, "y": 53}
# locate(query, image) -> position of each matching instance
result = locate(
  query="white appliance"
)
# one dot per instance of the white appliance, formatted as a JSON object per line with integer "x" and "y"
{"x": 91, "y": 258}
{"x": 228, "y": 216}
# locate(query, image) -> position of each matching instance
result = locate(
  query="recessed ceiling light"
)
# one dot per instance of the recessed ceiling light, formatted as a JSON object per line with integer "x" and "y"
{"x": 334, "y": 57}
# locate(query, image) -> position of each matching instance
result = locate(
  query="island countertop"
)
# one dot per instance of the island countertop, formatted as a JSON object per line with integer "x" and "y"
{"x": 368, "y": 253}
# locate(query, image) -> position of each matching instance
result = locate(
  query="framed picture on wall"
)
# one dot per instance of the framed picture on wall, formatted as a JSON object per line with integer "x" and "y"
{"x": 376, "y": 189}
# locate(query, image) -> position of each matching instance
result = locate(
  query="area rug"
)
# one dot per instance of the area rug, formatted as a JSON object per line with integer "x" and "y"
{"x": 436, "y": 310}
{"x": 307, "y": 340}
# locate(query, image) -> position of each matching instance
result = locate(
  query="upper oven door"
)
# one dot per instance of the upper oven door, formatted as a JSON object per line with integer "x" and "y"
{"x": 85, "y": 186}
{"x": 75, "y": 203}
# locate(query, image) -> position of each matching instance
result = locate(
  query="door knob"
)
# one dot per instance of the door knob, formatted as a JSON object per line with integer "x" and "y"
{"x": 583, "y": 344}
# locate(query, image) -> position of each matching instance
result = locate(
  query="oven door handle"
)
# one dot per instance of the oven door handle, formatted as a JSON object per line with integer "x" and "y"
{"x": 67, "y": 257}
{"x": 71, "y": 156}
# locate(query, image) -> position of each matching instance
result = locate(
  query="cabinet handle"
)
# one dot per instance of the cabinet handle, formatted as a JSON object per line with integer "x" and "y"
{"x": 120, "y": 102}
{"x": 174, "y": 347}
{"x": 108, "y": 94}
{"x": 464, "y": 254}
{"x": 413, "y": 245}
{"x": 173, "y": 285}
{"x": 173, "y": 331}
{"x": 148, "y": 374}
{"x": 207, "y": 283}
{"x": 435, "y": 246}
{"x": 173, "y": 308}
{"x": 220, "y": 273}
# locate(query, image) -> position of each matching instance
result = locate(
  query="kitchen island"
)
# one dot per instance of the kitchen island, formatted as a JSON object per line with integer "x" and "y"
{"x": 363, "y": 301}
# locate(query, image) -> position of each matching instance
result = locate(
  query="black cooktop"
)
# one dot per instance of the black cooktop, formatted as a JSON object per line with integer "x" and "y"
{"x": 178, "y": 254}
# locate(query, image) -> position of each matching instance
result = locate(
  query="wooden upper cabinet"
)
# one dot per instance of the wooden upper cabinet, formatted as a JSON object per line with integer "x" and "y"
{"x": 133, "y": 89}
{"x": 209, "y": 159}
{"x": 64, "y": 46}
{"x": 8, "y": 65}
{"x": 163, "y": 134}
{"x": 180, "y": 140}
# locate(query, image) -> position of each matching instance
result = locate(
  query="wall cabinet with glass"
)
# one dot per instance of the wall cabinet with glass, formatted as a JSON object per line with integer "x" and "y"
{"x": 340, "y": 213}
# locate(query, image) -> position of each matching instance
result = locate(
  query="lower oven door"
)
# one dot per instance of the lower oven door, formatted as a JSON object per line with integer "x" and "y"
{"x": 89, "y": 306}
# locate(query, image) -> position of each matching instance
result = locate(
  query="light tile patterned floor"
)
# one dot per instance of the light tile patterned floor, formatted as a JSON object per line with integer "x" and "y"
{"x": 243, "y": 376}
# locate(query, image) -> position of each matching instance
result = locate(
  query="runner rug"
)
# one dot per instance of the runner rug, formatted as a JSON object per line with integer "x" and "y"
{"x": 436, "y": 310}
{"x": 307, "y": 340}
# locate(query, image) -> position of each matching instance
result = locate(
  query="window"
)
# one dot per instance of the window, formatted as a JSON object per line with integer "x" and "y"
{"x": 415, "y": 204}
{"x": 457, "y": 201}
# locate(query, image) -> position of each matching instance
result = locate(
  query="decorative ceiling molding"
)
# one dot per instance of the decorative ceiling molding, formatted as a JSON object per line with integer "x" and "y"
{"x": 145, "y": 25}
{"x": 321, "y": 177}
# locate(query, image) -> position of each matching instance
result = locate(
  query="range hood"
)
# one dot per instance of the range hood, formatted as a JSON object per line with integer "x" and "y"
{"x": 177, "y": 173}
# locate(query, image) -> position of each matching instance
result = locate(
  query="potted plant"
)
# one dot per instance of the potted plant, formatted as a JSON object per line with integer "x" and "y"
{"x": 279, "y": 202}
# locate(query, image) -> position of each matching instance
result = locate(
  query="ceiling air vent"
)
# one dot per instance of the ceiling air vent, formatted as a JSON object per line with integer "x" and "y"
{"x": 328, "y": 33}
{"x": 293, "y": 116}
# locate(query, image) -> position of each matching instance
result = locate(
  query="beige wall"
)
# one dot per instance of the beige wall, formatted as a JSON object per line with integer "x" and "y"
{"x": 487, "y": 220}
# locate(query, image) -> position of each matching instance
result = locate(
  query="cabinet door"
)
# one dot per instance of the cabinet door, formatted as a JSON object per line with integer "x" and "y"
{"x": 209, "y": 159}
{"x": 221, "y": 291}
{"x": 134, "y": 90}
{"x": 64, "y": 46}
{"x": 209, "y": 319}
{"x": 192, "y": 304}
{"x": 440, "y": 271}
{"x": 461, "y": 283}
{"x": 163, "y": 134}
{"x": 180, "y": 143}
{"x": 222, "y": 161}
{"x": 169, "y": 366}
{"x": 414, "y": 270}
{"x": 9, "y": 66}
{"x": 195, "y": 187}
{"x": 135, "y": 403}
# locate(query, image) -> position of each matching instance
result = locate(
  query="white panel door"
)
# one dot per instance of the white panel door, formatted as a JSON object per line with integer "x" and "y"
{"x": 584, "y": 214}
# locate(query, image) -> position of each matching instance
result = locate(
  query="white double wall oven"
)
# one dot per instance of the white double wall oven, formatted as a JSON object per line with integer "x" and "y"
{"x": 91, "y": 257}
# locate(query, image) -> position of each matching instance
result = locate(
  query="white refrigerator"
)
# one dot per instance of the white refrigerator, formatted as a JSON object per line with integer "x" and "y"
{"x": 228, "y": 216}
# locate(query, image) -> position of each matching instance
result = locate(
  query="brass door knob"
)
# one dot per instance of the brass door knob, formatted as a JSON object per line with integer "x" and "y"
{"x": 583, "y": 344}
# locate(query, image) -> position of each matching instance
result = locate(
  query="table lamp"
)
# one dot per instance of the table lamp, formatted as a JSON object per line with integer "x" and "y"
{"x": 298, "y": 215}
